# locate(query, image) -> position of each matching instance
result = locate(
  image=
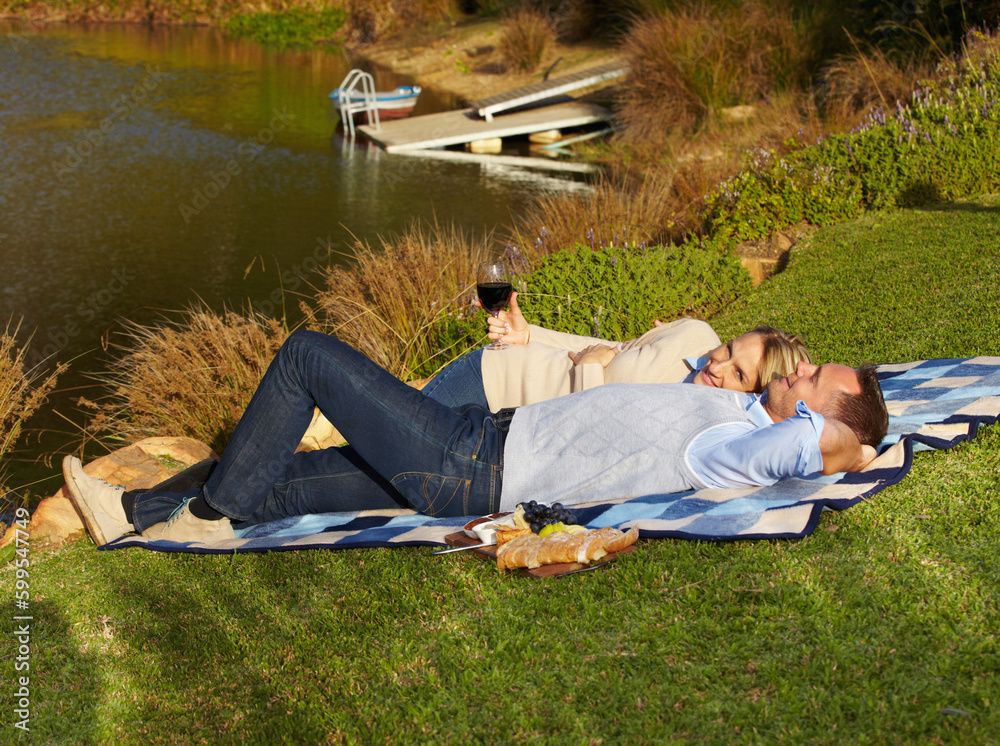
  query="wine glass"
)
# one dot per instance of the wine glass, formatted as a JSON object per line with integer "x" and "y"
{"x": 494, "y": 289}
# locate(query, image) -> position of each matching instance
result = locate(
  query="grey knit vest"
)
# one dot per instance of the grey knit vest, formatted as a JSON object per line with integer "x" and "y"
{"x": 611, "y": 442}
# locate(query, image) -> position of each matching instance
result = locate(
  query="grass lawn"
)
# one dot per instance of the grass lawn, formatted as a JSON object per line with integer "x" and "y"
{"x": 880, "y": 628}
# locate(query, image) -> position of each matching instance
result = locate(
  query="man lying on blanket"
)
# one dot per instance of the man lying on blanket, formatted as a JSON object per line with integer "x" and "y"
{"x": 407, "y": 450}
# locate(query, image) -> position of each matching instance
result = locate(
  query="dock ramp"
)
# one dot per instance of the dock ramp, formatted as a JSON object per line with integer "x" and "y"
{"x": 546, "y": 89}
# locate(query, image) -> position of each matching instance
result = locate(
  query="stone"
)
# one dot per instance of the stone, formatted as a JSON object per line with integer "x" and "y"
{"x": 781, "y": 242}
{"x": 139, "y": 466}
{"x": 321, "y": 434}
{"x": 738, "y": 113}
{"x": 55, "y": 521}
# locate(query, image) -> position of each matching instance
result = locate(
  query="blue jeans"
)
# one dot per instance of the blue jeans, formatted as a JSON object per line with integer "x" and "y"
{"x": 406, "y": 450}
{"x": 460, "y": 383}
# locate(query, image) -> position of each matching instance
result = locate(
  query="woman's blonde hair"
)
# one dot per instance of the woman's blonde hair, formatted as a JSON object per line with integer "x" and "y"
{"x": 782, "y": 353}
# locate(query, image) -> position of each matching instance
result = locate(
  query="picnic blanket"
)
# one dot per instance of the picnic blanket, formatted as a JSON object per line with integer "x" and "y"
{"x": 932, "y": 404}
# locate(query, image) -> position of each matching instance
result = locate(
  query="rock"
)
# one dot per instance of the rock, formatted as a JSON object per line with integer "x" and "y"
{"x": 759, "y": 268}
{"x": 321, "y": 434}
{"x": 9, "y": 535}
{"x": 738, "y": 113}
{"x": 56, "y": 521}
{"x": 139, "y": 466}
{"x": 781, "y": 243}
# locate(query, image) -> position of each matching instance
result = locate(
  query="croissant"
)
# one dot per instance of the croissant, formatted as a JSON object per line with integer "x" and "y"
{"x": 561, "y": 546}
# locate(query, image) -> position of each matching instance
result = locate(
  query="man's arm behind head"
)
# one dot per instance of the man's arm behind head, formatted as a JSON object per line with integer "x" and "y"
{"x": 855, "y": 425}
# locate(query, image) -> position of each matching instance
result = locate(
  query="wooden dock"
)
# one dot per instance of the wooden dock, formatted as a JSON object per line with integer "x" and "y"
{"x": 458, "y": 127}
{"x": 506, "y": 161}
{"x": 547, "y": 89}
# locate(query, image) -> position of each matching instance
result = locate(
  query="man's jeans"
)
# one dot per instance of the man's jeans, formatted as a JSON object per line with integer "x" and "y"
{"x": 406, "y": 450}
{"x": 460, "y": 382}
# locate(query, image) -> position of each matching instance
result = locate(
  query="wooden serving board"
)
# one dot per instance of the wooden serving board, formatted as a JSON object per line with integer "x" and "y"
{"x": 462, "y": 539}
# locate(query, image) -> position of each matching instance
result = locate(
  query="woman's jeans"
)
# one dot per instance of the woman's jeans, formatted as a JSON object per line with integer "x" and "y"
{"x": 406, "y": 450}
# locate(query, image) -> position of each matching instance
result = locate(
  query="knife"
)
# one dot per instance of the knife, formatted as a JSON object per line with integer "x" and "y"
{"x": 462, "y": 549}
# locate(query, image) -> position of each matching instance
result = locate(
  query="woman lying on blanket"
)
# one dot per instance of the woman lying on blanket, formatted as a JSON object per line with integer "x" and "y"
{"x": 542, "y": 364}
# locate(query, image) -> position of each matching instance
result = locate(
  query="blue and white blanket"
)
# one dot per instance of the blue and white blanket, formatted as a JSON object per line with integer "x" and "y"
{"x": 932, "y": 404}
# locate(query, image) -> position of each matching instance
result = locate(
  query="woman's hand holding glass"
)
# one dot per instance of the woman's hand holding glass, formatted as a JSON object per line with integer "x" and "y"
{"x": 509, "y": 326}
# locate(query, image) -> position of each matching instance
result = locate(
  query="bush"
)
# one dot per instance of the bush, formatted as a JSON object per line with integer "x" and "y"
{"x": 370, "y": 20}
{"x": 407, "y": 304}
{"x": 22, "y": 391}
{"x": 851, "y": 86}
{"x": 617, "y": 292}
{"x": 941, "y": 146}
{"x": 191, "y": 377}
{"x": 613, "y": 213}
{"x": 525, "y": 37}
{"x": 294, "y": 28}
{"x": 688, "y": 64}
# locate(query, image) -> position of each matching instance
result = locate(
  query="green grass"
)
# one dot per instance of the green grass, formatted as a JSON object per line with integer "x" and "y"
{"x": 879, "y": 628}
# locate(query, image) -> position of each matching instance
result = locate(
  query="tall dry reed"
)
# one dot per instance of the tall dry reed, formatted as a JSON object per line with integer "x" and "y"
{"x": 655, "y": 190}
{"x": 388, "y": 302}
{"x": 850, "y": 86}
{"x": 615, "y": 212}
{"x": 688, "y": 64}
{"x": 23, "y": 390}
{"x": 191, "y": 376}
{"x": 371, "y": 20}
{"x": 525, "y": 37}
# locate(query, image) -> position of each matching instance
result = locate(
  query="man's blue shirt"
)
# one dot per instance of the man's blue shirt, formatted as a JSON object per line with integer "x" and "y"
{"x": 761, "y": 452}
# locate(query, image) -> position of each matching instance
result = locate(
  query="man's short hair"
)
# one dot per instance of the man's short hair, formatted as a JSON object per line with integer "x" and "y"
{"x": 865, "y": 413}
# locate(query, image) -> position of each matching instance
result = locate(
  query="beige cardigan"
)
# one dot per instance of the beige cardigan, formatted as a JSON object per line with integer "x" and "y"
{"x": 541, "y": 369}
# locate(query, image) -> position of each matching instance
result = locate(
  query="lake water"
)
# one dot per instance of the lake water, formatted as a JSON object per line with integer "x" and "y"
{"x": 142, "y": 170}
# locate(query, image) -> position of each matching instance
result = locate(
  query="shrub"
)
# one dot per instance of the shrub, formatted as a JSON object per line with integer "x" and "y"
{"x": 407, "y": 304}
{"x": 617, "y": 292}
{"x": 422, "y": 12}
{"x": 686, "y": 65}
{"x": 293, "y": 28}
{"x": 525, "y": 37}
{"x": 22, "y": 390}
{"x": 851, "y": 86}
{"x": 370, "y": 20}
{"x": 941, "y": 146}
{"x": 615, "y": 212}
{"x": 193, "y": 376}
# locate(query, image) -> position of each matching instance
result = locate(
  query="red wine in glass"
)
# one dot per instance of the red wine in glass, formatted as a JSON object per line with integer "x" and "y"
{"x": 494, "y": 288}
{"x": 494, "y": 295}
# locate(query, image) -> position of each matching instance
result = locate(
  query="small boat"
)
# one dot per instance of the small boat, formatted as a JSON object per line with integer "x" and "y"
{"x": 357, "y": 95}
{"x": 390, "y": 104}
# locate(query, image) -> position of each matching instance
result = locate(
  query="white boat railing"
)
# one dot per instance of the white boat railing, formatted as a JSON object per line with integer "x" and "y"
{"x": 366, "y": 102}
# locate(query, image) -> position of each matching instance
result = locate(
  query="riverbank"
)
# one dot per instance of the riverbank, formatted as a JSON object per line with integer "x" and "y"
{"x": 462, "y": 58}
{"x": 459, "y": 57}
